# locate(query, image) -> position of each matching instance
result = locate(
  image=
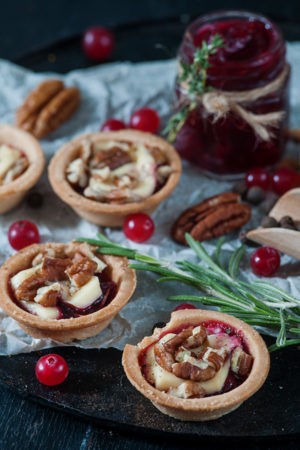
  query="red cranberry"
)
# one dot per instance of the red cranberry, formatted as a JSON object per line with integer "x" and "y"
{"x": 51, "y": 369}
{"x": 145, "y": 119}
{"x": 265, "y": 261}
{"x": 284, "y": 179}
{"x": 23, "y": 233}
{"x": 138, "y": 227}
{"x": 258, "y": 178}
{"x": 98, "y": 43}
{"x": 113, "y": 125}
{"x": 184, "y": 306}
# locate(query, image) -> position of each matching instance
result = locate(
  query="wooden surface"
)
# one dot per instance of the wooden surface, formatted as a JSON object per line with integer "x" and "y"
{"x": 29, "y": 26}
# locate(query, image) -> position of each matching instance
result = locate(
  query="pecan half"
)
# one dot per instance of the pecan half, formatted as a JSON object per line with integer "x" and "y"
{"x": 36, "y": 101}
{"x": 53, "y": 269}
{"x": 112, "y": 158}
{"x": 212, "y": 218}
{"x": 28, "y": 289}
{"x": 57, "y": 111}
{"x": 82, "y": 271}
{"x": 172, "y": 344}
{"x": 241, "y": 362}
{"x": 164, "y": 358}
{"x": 215, "y": 358}
{"x": 47, "y": 107}
{"x": 188, "y": 371}
{"x": 48, "y": 295}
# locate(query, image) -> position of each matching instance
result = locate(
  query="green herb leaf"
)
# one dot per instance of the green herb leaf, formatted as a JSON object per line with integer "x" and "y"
{"x": 195, "y": 77}
{"x": 257, "y": 303}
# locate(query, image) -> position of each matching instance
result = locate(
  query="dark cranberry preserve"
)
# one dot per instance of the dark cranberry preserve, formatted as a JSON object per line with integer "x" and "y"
{"x": 252, "y": 56}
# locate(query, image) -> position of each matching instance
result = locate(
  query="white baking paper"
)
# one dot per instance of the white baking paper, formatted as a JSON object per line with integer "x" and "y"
{"x": 116, "y": 90}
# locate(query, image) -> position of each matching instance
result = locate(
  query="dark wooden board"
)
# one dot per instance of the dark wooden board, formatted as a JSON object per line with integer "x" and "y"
{"x": 98, "y": 390}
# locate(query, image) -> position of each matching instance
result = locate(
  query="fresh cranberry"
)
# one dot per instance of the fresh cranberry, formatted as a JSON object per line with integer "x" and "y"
{"x": 284, "y": 179}
{"x": 145, "y": 119}
{"x": 98, "y": 43}
{"x": 184, "y": 306}
{"x": 138, "y": 227}
{"x": 265, "y": 261}
{"x": 113, "y": 125}
{"x": 51, "y": 369}
{"x": 23, "y": 233}
{"x": 259, "y": 178}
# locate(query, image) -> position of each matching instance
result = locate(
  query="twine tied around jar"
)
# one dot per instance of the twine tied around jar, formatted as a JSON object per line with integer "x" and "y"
{"x": 219, "y": 103}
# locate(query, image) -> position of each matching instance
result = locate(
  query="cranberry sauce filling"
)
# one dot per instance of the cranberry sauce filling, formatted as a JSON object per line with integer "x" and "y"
{"x": 212, "y": 327}
{"x": 253, "y": 55}
{"x": 108, "y": 293}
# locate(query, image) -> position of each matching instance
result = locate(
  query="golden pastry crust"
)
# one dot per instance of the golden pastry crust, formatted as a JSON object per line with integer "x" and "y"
{"x": 12, "y": 193}
{"x": 207, "y": 408}
{"x": 104, "y": 213}
{"x": 65, "y": 330}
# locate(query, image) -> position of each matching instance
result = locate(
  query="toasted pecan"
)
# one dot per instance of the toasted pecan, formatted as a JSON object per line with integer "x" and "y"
{"x": 113, "y": 158}
{"x": 211, "y": 218}
{"x": 57, "y": 111}
{"x": 53, "y": 269}
{"x": 164, "y": 358}
{"x": 188, "y": 371}
{"x": 47, "y": 107}
{"x": 28, "y": 289}
{"x": 241, "y": 362}
{"x": 172, "y": 344}
{"x": 82, "y": 271}
{"x": 35, "y": 101}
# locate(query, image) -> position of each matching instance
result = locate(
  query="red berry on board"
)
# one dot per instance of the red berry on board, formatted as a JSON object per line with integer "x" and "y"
{"x": 23, "y": 233}
{"x": 259, "y": 178}
{"x": 138, "y": 227}
{"x": 184, "y": 306}
{"x": 284, "y": 179}
{"x": 98, "y": 43}
{"x": 265, "y": 261}
{"x": 113, "y": 125}
{"x": 145, "y": 119}
{"x": 51, "y": 369}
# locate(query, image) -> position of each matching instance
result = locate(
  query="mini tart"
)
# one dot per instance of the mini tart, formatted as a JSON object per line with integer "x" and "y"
{"x": 68, "y": 329}
{"x": 12, "y": 193}
{"x": 210, "y": 407}
{"x": 111, "y": 214}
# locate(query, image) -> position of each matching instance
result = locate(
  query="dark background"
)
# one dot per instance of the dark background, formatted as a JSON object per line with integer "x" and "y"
{"x": 45, "y": 35}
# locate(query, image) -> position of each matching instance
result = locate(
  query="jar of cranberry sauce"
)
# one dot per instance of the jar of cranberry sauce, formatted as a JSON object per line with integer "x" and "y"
{"x": 252, "y": 57}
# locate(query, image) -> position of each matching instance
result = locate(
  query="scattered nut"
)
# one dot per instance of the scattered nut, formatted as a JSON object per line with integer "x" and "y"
{"x": 47, "y": 107}
{"x": 255, "y": 195}
{"x": 214, "y": 217}
{"x": 269, "y": 222}
{"x": 287, "y": 222}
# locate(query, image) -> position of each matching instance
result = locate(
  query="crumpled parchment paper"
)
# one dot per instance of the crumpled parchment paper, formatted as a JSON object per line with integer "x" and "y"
{"x": 116, "y": 90}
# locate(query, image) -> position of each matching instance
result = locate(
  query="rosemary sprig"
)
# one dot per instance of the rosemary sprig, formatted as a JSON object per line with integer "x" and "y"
{"x": 258, "y": 303}
{"x": 195, "y": 77}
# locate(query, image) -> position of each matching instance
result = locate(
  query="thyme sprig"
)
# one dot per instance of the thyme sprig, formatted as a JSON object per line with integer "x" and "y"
{"x": 194, "y": 75}
{"x": 258, "y": 303}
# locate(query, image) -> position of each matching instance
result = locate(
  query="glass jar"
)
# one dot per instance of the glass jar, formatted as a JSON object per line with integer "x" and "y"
{"x": 252, "y": 56}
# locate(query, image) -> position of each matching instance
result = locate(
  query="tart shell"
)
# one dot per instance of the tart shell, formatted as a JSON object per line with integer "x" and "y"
{"x": 107, "y": 214}
{"x": 12, "y": 193}
{"x": 207, "y": 408}
{"x": 65, "y": 330}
